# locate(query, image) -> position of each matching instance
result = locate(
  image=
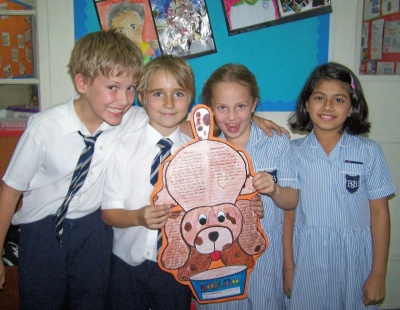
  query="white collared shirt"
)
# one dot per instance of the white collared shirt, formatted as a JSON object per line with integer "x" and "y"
{"x": 128, "y": 186}
{"x": 45, "y": 159}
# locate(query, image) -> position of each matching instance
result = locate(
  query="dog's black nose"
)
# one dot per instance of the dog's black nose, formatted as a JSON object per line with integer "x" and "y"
{"x": 213, "y": 236}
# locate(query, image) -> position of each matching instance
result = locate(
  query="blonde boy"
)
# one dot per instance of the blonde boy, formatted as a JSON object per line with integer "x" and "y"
{"x": 70, "y": 267}
{"x": 166, "y": 91}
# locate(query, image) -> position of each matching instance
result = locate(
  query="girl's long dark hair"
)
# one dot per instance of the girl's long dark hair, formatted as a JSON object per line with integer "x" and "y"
{"x": 357, "y": 123}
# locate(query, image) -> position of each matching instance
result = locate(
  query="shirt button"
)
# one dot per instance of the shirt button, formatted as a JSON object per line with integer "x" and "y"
{"x": 101, "y": 148}
{"x": 148, "y": 253}
{"x": 325, "y": 243}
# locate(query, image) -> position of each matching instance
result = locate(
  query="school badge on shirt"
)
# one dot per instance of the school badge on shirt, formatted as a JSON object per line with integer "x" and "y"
{"x": 352, "y": 183}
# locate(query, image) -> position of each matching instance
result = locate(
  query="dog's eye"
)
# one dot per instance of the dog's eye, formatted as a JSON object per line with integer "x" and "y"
{"x": 221, "y": 216}
{"x": 202, "y": 219}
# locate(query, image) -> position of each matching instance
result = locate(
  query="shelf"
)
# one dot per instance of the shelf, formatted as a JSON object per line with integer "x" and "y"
{"x": 18, "y": 12}
{"x": 20, "y": 81}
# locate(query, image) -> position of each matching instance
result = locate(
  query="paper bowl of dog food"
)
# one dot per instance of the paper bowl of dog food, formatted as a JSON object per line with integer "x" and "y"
{"x": 223, "y": 282}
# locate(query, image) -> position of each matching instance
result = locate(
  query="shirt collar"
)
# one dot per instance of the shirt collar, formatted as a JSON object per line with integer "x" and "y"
{"x": 72, "y": 123}
{"x": 153, "y": 136}
{"x": 343, "y": 142}
{"x": 256, "y": 134}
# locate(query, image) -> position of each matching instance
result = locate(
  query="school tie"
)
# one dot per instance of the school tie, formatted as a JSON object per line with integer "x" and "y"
{"x": 165, "y": 145}
{"x": 78, "y": 178}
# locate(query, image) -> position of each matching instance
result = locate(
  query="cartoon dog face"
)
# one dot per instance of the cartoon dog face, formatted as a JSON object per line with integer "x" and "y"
{"x": 228, "y": 232}
{"x": 210, "y": 229}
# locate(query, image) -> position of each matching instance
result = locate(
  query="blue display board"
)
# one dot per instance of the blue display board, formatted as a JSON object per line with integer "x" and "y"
{"x": 280, "y": 56}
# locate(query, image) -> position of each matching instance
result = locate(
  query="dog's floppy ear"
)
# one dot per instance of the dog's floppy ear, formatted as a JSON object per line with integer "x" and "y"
{"x": 248, "y": 185}
{"x": 175, "y": 243}
{"x": 251, "y": 240}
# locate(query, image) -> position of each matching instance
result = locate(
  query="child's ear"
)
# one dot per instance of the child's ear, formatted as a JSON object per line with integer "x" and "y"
{"x": 307, "y": 106}
{"x": 255, "y": 102}
{"x": 80, "y": 83}
{"x": 350, "y": 110}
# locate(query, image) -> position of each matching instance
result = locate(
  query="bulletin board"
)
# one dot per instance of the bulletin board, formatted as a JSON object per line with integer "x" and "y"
{"x": 380, "y": 38}
{"x": 16, "y": 56}
{"x": 281, "y": 57}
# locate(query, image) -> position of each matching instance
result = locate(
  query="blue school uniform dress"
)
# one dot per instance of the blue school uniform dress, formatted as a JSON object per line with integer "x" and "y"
{"x": 332, "y": 239}
{"x": 265, "y": 287}
{"x": 75, "y": 272}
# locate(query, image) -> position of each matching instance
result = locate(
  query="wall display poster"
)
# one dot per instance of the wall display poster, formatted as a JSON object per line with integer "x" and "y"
{"x": 176, "y": 27}
{"x": 247, "y": 15}
{"x": 213, "y": 239}
{"x": 380, "y": 38}
{"x": 281, "y": 63}
{"x": 183, "y": 27}
{"x": 15, "y": 42}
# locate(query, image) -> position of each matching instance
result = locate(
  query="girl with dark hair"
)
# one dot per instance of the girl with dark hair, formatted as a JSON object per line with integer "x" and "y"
{"x": 342, "y": 224}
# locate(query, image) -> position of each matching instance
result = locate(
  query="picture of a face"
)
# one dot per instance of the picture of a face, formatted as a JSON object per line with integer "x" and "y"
{"x": 129, "y": 23}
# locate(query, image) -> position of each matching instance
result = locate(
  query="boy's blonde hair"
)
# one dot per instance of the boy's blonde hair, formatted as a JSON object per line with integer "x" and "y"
{"x": 108, "y": 53}
{"x": 177, "y": 66}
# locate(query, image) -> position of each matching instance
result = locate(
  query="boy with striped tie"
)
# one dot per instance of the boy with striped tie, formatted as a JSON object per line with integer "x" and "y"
{"x": 58, "y": 166}
{"x": 166, "y": 91}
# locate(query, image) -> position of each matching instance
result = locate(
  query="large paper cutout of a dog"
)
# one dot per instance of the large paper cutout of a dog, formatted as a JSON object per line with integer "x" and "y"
{"x": 213, "y": 238}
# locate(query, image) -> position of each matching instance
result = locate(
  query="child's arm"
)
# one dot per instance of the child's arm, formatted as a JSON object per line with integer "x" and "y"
{"x": 284, "y": 197}
{"x": 8, "y": 201}
{"x": 288, "y": 261}
{"x": 265, "y": 124}
{"x": 151, "y": 217}
{"x": 374, "y": 287}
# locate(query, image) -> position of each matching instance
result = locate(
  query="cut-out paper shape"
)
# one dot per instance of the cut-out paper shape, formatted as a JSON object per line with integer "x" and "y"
{"x": 213, "y": 239}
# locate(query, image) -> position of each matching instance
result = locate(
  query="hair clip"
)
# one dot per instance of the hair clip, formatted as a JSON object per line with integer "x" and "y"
{"x": 352, "y": 81}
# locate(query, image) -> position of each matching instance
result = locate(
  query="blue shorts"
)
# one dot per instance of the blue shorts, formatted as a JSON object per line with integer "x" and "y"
{"x": 72, "y": 274}
{"x": 146, "y": 286}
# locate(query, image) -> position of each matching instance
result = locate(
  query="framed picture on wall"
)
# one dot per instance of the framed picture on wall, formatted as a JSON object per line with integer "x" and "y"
{"x": 134, "y": 19}
{"x": 247, "y": 15}
{"x": 177, "y": 27}
{"x": 183, "y": 27}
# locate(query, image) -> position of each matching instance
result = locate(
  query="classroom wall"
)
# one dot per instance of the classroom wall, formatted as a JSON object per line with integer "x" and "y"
{"x": 382, "y": 93}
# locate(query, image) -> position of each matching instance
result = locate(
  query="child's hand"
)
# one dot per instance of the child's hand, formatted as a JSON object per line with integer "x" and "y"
{"x": 288, "y": 280}
{"x": 374, "y": 289}
{"x": 257, "y": 205}
{"x": 264, "y": 183}
{"x": 268, "y": 126}
{"x": 154, "y": 217}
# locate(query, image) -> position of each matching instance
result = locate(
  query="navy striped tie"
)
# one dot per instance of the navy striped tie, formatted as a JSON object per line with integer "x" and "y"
{"x": 78, "y": 178}
{"x": 165, "y": 145}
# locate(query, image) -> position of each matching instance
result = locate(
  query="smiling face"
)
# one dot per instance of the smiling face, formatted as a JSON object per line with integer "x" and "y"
{"x": 105, "y": 99}
{"x": 329, "y": 106}
{"x": 233, "y": 106}
{"x": 166, "y": 102}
